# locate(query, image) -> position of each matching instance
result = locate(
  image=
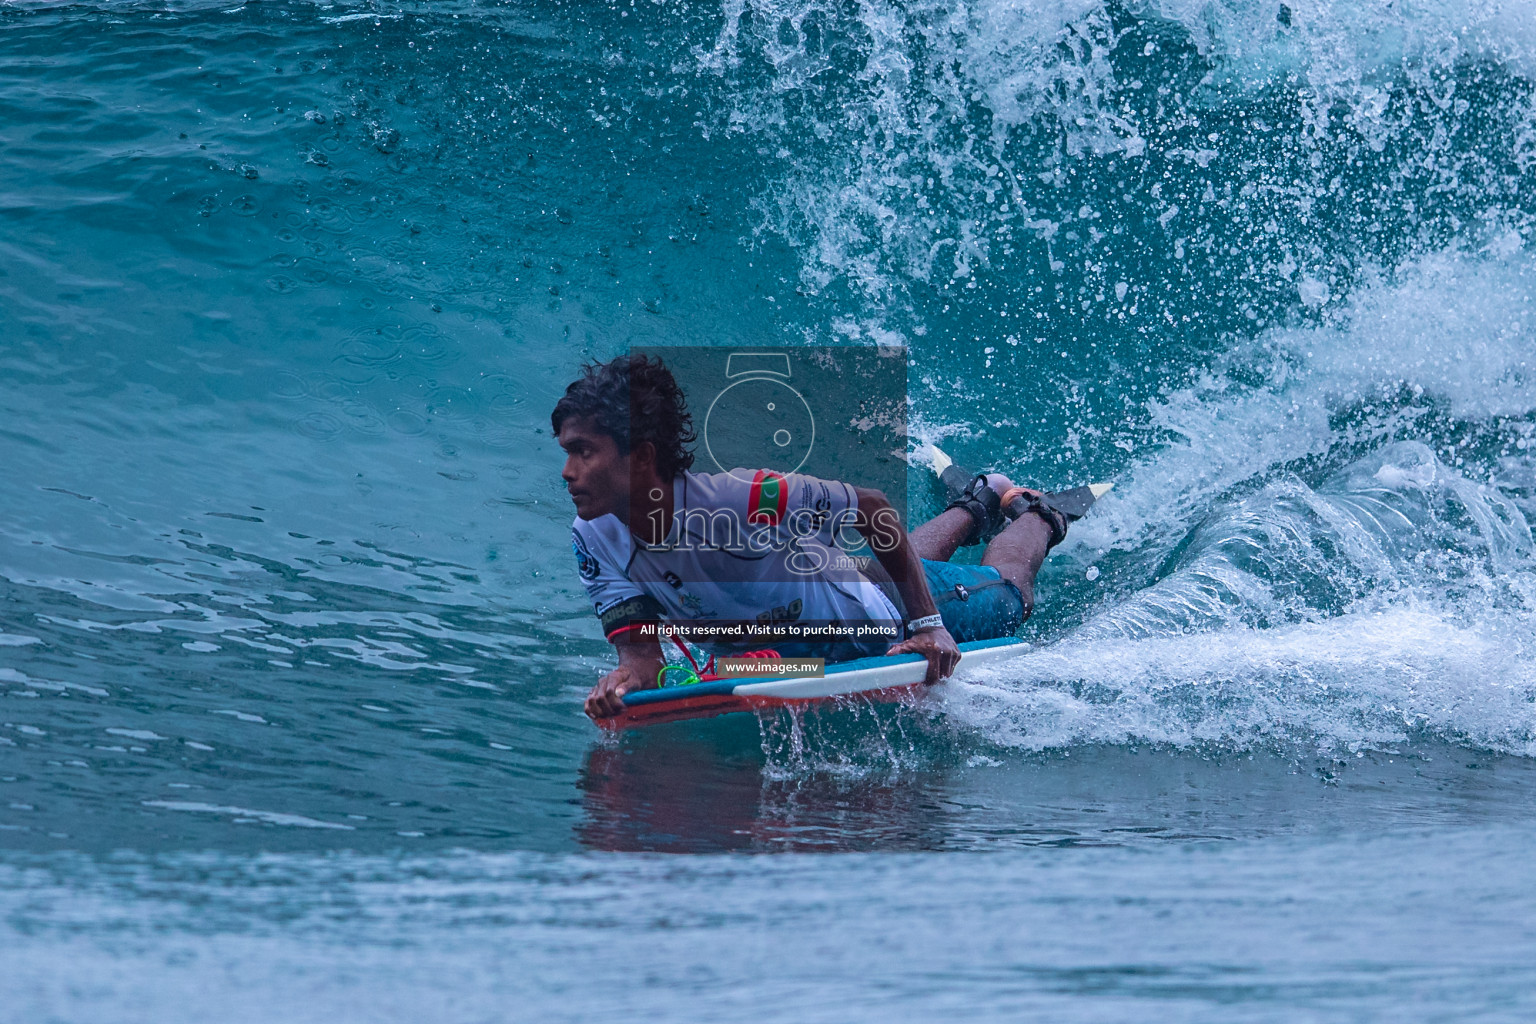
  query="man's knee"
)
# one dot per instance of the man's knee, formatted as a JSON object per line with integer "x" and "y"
{"x": 1026, "y": 597}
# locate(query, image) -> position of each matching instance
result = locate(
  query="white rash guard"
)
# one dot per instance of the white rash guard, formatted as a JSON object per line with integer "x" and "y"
{"x": 789, "y": 569}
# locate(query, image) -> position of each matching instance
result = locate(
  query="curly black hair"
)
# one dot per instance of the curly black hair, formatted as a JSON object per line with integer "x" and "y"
{"x": 633, "y": 399}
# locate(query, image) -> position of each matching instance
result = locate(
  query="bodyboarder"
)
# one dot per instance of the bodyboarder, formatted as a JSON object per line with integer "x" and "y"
{"x": 656, "y": 543}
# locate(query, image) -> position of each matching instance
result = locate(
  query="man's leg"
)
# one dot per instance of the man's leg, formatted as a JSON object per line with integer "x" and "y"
{"x": 1019, "y": 550}
{"x": 1016, "y": 554}
{"x": 939, "y": 538}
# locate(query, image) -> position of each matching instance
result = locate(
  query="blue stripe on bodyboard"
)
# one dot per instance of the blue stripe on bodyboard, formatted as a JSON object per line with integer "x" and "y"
{"x": 725, "y": 687}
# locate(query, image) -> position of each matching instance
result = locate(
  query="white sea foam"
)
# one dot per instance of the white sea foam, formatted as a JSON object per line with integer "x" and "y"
{"x": 1456, "y": 330}
{"x": 912, "y": 178}
{"x": 1341, "y": 50}
{"x": 270, "y": 817}
{"x": 1364, "y": 679}
{"x": 1395, "y": 596}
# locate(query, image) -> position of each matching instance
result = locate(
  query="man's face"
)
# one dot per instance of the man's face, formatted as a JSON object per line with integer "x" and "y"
{"x": 595, "y": 474}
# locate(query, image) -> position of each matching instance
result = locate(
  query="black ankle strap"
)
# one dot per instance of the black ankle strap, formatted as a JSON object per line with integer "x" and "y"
{"x": 985, "y": 508}
{"x": 1054, "y": 518}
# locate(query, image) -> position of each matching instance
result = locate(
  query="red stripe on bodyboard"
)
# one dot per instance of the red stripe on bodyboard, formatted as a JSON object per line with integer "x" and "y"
{"x": 711, "y": 705}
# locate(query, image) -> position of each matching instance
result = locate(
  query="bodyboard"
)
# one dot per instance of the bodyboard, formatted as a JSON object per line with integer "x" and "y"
{"x": 885, "y": 678}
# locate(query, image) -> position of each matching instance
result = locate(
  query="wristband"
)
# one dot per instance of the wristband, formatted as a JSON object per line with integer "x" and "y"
{"x": 926, "y": 622}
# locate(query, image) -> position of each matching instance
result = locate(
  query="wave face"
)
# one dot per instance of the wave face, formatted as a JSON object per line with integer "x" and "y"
{"x": 288, "y": 290}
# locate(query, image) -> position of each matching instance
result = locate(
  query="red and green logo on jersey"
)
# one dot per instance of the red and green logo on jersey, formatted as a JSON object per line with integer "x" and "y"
{"x": 770, "y": 495}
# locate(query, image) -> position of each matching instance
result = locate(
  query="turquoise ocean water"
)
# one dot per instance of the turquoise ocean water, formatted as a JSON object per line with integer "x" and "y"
{"x": 291, "y": 643}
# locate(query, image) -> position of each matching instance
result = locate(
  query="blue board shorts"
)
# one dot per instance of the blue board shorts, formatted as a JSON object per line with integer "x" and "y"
{"x": 975, "y": 602}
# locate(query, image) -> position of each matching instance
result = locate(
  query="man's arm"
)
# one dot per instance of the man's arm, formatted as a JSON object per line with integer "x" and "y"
{"x": 639, "y": 662}
{"x": 882, "y": 528}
